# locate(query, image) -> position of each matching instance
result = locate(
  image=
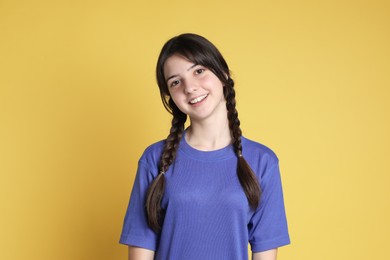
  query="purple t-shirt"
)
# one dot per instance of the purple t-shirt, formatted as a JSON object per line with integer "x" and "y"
{"x": 207, "y": 215}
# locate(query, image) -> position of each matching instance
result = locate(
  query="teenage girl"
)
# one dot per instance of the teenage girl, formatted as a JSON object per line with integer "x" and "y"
{"x": 205, "y": 191}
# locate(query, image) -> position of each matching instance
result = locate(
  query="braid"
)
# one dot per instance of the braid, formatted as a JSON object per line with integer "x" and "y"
{"x": 156, "y": 189}
{"x": 245, "y": 174}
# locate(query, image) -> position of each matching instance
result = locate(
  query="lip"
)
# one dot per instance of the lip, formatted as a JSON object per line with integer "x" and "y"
{"x": 201, "y": 99}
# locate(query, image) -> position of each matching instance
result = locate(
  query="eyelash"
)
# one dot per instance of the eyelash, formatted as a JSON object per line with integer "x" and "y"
{"x": 197, "y": 72}
{"x": 175, "y": 81}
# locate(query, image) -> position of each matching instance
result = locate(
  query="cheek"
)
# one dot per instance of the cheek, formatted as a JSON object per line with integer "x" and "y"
{"x": 216, "y": 85}
{"x": 214, "y": 82}
{"x": 177, "y": 98}
{"x": 175, "y": 95}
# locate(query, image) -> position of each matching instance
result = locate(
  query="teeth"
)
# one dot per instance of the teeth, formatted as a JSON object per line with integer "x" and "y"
{"x": 198, "y": 99}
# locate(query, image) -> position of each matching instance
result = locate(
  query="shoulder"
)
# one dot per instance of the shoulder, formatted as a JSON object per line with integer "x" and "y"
{"x": 258, "y": 155}
{"x": 152, "y": 153}
{"x": 253, "y": 147}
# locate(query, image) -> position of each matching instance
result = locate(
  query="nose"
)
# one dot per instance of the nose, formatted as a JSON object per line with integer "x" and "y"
{"x": 190, "y": 85}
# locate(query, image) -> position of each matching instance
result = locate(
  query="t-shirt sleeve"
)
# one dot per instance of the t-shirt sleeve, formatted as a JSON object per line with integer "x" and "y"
{"x": 136, "y": 231}
{"x": 268, "y": 225}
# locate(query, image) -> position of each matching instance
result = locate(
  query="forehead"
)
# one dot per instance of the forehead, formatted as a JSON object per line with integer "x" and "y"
{"x": 176, "y": 64}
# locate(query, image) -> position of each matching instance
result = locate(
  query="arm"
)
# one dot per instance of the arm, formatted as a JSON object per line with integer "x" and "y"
{"x": 136, "y": 234}
{"x": 266, "y": 255}
{"x": 268, "y": 225}
{"x": 138, "y": 253}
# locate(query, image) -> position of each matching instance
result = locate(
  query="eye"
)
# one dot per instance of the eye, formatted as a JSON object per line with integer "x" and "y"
{"x": 199, "y": 71}
{"x": 175, "y": 82}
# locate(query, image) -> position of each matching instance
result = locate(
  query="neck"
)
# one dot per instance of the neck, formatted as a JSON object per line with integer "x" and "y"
{"x": 209, "y": 135}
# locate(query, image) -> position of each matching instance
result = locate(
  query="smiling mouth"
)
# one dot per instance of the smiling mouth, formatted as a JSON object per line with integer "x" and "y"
{"x": 198, "y": 99}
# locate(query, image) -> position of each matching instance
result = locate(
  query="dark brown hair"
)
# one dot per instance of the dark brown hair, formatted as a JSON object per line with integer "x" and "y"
{"x": 198, "y": 50}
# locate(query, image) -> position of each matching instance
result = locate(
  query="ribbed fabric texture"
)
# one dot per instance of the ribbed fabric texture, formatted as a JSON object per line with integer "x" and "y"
{"x": 207, "y": 215}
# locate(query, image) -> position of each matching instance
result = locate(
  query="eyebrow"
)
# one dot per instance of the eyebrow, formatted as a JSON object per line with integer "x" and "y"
{"x": 178, "y": 74}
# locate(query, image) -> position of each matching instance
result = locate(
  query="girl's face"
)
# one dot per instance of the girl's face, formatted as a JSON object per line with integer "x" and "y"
{"x": 196, "y": 90}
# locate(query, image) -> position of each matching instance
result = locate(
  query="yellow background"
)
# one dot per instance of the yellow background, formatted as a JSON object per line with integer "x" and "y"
{"x": 79, "y": 103}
